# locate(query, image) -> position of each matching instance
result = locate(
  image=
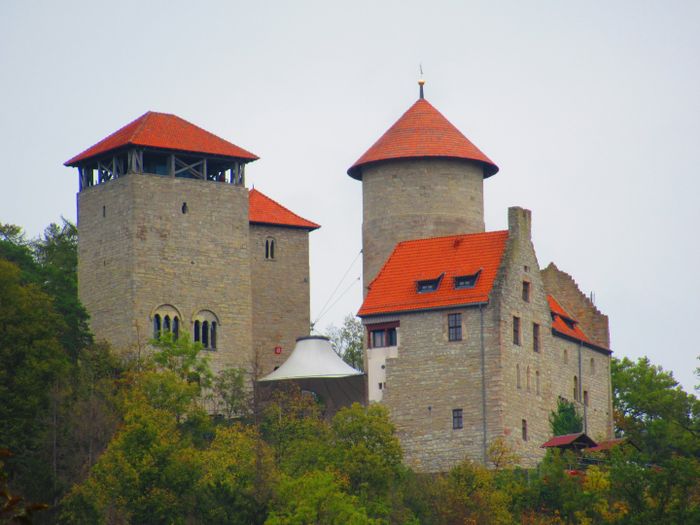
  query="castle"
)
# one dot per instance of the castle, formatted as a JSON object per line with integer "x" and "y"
{"x": 466, "y": 339}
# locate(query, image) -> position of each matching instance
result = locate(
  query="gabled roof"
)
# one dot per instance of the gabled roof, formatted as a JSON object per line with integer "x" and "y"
{"x": 164, "y": 131}
{"x": 422, "y": 132}
{"x": 263, "y": 210}
{"x": 395, "y": 287}
{"x": 577, "y": 440}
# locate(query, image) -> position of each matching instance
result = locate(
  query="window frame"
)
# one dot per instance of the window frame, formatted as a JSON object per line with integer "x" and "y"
{"x": 454, "y": 330}
{"x": 457, "y": 419}
{"x": 390, "y": 333}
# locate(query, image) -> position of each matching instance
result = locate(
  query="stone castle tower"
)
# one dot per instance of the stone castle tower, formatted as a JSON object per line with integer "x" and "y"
{"x": 170, "y": 239}
{"x": 422, "y": 178}
{"x": 466, "y": 339}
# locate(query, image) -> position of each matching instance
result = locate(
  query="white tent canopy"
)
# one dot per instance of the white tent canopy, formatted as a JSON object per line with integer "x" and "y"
{"x": 312, "y": 357}
{"x": 315, "y": 367}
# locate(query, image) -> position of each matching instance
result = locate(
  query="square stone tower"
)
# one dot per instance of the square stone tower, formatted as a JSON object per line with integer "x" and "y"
{"x": 164, "y": 237}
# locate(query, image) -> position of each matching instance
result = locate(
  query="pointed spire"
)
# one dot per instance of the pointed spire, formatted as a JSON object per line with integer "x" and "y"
{"x": 421, "y": 81}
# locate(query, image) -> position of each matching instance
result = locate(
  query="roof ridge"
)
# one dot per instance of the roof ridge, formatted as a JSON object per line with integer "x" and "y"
{"x": 450, "y": 236}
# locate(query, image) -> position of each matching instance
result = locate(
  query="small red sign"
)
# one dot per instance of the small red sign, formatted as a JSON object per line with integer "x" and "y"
{"x": 278, "y": 350}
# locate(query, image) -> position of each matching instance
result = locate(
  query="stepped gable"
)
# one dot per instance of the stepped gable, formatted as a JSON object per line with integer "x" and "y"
{"x": 396, "y": 289}
{"x": 562, "y": 286}
{"x": 422, "y": 132}
{"x": 263, "y": 210}
{"x": 164, "y": 131}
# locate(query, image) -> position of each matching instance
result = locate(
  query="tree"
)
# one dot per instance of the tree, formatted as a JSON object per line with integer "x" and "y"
{"x": 565, "y": 419}
{"x": 31, "y": 361}
{"x": 654, "y": 411}
{"x": 347, "y": 341}
{"x": 230, "y": 394}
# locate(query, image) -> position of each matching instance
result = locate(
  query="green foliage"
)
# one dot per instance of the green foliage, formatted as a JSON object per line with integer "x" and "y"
{"x": 654, "y": 411}
{"x": 183, "y": 357}
{"x": 347, "y": 341}
{"x": 232, "y": 399}
{"x": 565, "y": 419}
{"x": 316, "y": 497}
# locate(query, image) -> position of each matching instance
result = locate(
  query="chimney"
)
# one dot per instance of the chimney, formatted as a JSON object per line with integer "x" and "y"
{"x": 519, "y": 221}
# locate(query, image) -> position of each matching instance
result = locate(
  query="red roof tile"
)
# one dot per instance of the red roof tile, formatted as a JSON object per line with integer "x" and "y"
{"x": 164, "y": 131}
{"x": 610, "y": 444}
{"x": 394, "y": 288}
{"x": 559, "y": 322}
{"x": 569, "y": 439}
{"x": 263, "y": 210}
{"x": 422, "y": 132}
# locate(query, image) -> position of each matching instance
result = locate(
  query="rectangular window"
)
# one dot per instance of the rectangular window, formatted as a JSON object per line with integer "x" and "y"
{"x": 524, "y": 423}
{"x": 526, "y": 291}
{"x": 391, "y": 337}
{"x": 516, "y": 330}
{"x": 457, "y": 421}
{"x": 454, "y": 327}
{"x": 377, "y": 338}
{"x": 535, "y": 337}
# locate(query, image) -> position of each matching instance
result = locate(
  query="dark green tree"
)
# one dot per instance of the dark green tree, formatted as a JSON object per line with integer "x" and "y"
{"x": 565, "y": 419}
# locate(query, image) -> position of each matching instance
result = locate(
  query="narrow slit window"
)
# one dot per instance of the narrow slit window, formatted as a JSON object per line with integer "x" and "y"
{"x": 585, "y": 397}
{"x": 213, "y": 334}
{"x": 516, "y": 330}
{"x": 176, "y": 327}
{"x": 517, "y": 377}
{"x": 166, "y": 323}
{"x": 526, "y": 291}
{"x": 537, "y": 382}
{"x": 576, "y": 397}
{"x": 457, "y": 419}
{"x": 535, "y": 337}
{"x": 524, "y": 429}
{"x": 197, "y": 326}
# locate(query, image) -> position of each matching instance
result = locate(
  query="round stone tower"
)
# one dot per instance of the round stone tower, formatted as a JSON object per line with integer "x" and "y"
{"x": 423, "y": 178}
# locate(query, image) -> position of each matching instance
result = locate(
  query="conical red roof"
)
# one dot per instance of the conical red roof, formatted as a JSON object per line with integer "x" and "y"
{"x": 164, "y": 131}
{"x": 422, "y": 132}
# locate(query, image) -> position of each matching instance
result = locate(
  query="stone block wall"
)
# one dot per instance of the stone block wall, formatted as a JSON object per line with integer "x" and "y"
{"x": 193, "y": 260}
{"x": 563, "y": 287}
{"x": 414, "y": 199}
{"x": 280, "y": 293}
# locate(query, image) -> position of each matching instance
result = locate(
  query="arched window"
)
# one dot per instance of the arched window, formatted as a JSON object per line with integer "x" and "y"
{"x": 156, "y": 326}
{"x": 197, "y": 331}
{"x": 206, "y": 325}
{"x": 165, "y": 318}
{"x": 205, "y": 334}
{"x": 270, "y": 248}
{"x": 517, "y": 376}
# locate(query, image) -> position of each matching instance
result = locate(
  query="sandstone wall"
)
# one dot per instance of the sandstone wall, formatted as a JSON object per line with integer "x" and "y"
{"x": 414, "y": 199}
{"x": 280, "y": 292}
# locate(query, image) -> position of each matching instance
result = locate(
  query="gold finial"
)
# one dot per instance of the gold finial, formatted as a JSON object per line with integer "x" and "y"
{"x": 421, "y": 80}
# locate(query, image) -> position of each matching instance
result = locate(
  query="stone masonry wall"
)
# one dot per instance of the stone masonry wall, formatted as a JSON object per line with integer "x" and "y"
{"x": 414, "y": 199}
{"x": 528, "y": 393}
{"x": 280, "y": 293}
{"x": 193, "y": 261}
{"x": 430, "y": 377}
{"x": 563, "y": 287}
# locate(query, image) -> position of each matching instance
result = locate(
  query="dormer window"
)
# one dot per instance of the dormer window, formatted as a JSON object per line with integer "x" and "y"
{"x": 428, "y": 285}
{"x": 466, "y": 281}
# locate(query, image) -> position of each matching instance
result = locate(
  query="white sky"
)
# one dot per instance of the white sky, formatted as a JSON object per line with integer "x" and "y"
{"x": 590, "y": 109}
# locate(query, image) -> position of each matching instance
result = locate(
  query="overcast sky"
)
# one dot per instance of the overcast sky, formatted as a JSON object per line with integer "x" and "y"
{"x": 590, "y": 109}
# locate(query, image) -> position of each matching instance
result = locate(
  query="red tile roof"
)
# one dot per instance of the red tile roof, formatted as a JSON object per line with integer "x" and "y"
{"x": 164, "y": 131}
{"x": 394, "y": 288}
{"x": 568, "y": 440}
{"x": 263, "y": 210}
{"x": 610, "y": 444}
{"x": 422, "y": 132}
{"x": 559, "y": 318}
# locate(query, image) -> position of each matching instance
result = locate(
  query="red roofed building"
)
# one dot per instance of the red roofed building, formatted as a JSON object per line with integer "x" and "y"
{"x": 171, "y": 240}
{"x": 466, "y": 340}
